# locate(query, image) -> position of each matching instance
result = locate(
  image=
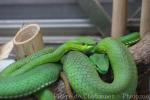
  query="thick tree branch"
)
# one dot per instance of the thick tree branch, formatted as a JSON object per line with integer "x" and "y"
{"x": 67, "y": 86}
{"x": 141, "y": 51}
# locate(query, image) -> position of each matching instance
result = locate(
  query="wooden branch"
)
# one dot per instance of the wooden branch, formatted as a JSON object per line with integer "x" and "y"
{"x": 145, "y": 18}
{"x": 28, "y": 40}
{"x": 141, "y": 51}
{"x": 119, "y": 18}
{"x": 67, "y": 86}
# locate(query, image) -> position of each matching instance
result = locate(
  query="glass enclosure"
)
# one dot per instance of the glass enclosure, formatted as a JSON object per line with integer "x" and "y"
{"x": 60, "y": 20}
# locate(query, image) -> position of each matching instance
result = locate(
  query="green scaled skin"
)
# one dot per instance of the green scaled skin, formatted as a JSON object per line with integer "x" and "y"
{"x": 46, "y": 95}
{"x": 130, "y": 39}
{"x": 17, "y": 65}
{"x": 29, "y": 82}
{"x": 101, "y": 61}
{"x": 54, "y": 56}
{"x": 24, "y": 66}
{"x": 85, "y": 80}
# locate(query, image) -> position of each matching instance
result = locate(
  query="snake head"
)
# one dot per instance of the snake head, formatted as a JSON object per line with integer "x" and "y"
{"x": 83, "y": 41}
{"x": 83, "y": 44}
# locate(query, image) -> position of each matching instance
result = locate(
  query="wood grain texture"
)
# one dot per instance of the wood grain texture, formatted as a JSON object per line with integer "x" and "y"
{"x": 141, "y": 51}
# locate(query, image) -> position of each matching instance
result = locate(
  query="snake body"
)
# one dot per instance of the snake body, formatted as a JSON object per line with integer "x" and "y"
{"x": 17, "y": 65}
{"x": 85, "y": 80}
{"x": 53, "y": 57}
{"x": 34, "y": 69}
{"x": 28, "y": 83}
{"x": 46, "y": 95}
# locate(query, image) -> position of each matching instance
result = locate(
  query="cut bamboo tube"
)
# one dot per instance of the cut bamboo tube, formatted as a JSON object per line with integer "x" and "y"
{"x": 145, "y": 18}
{"x": 119, "y": 18}
{"x": 28, "y": 40}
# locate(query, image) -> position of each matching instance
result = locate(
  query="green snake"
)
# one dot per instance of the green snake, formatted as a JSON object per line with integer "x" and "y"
{"x": 85, "y": 80}
{"x": 18, "y": 74}
{"x": 46, "y": 95}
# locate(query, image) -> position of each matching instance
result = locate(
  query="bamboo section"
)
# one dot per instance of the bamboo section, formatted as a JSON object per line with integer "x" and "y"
{"x": 28, "y": 40}
{"x": 119, "y": 18}
{"x": 145, "y": 18}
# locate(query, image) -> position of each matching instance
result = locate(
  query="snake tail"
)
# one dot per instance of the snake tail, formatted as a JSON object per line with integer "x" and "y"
{"x": 130, "y": 39}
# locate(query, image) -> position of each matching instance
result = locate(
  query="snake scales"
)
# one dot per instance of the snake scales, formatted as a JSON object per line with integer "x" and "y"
{"x": 35, "y": 72}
